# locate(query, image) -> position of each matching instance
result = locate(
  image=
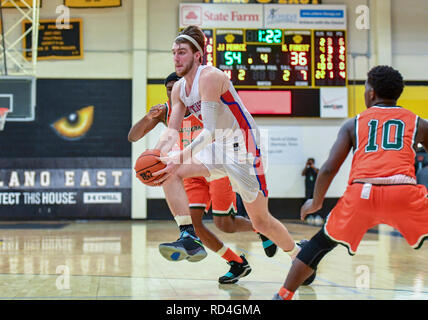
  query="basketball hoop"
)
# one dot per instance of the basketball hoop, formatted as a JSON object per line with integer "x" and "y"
{"x": 3, "y": 115}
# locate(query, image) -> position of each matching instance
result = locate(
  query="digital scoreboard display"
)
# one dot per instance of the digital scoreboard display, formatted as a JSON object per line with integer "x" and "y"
{"x": 330, "y": 58}
{"x": 278, "y": 58}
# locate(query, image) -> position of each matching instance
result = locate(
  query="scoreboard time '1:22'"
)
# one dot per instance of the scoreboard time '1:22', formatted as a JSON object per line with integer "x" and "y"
{"x": 277, "y": 57}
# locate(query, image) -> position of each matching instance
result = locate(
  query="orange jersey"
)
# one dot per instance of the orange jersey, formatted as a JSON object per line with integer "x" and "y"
{"x": 191, "y": 127}
{"x": 385, "y": 137}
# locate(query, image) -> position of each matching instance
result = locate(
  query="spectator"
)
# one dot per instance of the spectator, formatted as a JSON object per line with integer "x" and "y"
{"x": 422, "y": 176}
{"x": 421, "y": 165}
{"x": 310, "y": 173}
{"x": 421, "y": 159}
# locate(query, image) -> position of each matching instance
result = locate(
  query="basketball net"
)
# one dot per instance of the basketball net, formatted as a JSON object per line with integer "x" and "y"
{"x": 3, "y": 115}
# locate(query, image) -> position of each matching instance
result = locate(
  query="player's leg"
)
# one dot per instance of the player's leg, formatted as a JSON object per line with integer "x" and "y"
{"x": 208, "y": 238}
{"x": 188, "y": 246}
{"x": 305, "y": 264}
{"x": 224, "y": 207}
{"x": 239, "y": 265}
{"x": 406, "y": 209}
{"x": 198, "y": 194}
{"x": 268, "y": 225}
{"x": 347, "y": 223}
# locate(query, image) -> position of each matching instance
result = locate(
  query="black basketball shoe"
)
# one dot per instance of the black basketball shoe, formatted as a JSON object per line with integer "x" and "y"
{"x": 268, "y": 245}
{"x": 187, "y": 247}
{"x": 237, "y": 271}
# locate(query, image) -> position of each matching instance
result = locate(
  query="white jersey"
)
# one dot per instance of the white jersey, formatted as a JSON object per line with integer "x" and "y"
{"x": 233, "y": 119}
{"x": 236, "y": 150}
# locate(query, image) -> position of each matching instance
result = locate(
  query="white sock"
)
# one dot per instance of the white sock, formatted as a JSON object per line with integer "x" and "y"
{"x": 183, "y": 220}
{"x": 293, "y": 252}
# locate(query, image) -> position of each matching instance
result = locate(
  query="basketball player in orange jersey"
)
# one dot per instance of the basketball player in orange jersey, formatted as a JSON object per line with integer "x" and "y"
{"x": 227, "y": 146}
{"x": 382, "y": 184}
{"x": 202, "y": 194}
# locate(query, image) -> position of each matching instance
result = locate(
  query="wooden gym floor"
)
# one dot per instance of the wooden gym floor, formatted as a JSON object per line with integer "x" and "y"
{"x": 120, "y": 260}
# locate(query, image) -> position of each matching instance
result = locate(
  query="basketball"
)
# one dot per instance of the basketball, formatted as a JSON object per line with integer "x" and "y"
{"x": 146, "y": 165}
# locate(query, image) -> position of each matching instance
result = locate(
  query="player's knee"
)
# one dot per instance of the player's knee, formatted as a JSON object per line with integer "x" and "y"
{"x": 224, "y": 224}
{"x": 261, "y": 224}
{"x": 313, "y": 252}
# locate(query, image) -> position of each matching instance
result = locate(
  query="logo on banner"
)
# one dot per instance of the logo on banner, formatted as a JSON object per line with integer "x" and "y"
{"x": 191, "y": 15}
{"x": 75, "y": 125}
{"x": 334, "y": 102}
{"x": 275, "y": 17}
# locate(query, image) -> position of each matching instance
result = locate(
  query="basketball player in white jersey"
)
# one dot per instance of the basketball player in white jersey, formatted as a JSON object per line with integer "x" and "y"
{"x": 229, "y": 144}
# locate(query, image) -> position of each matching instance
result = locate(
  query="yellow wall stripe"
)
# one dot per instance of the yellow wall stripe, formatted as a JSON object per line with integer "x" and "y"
{"x": 414, "y": 98}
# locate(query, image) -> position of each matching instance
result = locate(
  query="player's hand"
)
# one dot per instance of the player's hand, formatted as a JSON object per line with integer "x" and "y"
{"x": 172, "y": 164}
{"x": 308, "y": 208}
{"x": 155, "y": 111}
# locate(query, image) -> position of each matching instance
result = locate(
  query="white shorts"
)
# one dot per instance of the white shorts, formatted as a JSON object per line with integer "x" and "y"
{"x": 245, "y": 172}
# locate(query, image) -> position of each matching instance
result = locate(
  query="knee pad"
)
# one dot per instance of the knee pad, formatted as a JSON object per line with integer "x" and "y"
{"x": 312, "y": 253}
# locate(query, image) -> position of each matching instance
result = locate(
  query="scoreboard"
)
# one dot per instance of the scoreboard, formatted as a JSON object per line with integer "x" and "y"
{"x": 279, "y": 58}
{"x": 283, "y": 59}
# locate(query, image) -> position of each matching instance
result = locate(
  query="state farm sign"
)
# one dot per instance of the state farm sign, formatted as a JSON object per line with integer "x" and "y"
{"x": 226, "y": 16}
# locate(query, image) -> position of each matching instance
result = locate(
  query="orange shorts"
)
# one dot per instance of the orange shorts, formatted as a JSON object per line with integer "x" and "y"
{"x": 403, "y": 207}
{"x": 217, "y": 193}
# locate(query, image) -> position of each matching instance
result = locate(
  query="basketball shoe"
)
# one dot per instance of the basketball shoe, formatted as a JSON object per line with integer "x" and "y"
{"x": 268, "y": 245}
{"x": 237, "y": 271}
{"x": 277, "y": 297}
{"x": 188, "y": 246}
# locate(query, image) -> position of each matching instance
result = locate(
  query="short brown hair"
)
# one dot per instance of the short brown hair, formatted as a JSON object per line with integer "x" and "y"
{"x": 197, "y": 34}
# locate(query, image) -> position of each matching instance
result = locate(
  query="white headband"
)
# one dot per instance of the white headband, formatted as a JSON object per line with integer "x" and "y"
{"x": 185, "y": 36}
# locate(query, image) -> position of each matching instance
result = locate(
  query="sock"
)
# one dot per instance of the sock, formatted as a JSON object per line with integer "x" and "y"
{"x": 189, "y": 228}
{"x": 229, "y": 255}
{"x": 285, "y": 294}
{"x": 293, "y": 252}
{"x": 185, "y": 224}
{"x": 183, "y": 220}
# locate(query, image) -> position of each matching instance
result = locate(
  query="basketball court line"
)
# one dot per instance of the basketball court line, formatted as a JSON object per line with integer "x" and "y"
{"x": 349, "y": 291}
{"x": 346, "y": 291}
{"x": 333, "y": 284}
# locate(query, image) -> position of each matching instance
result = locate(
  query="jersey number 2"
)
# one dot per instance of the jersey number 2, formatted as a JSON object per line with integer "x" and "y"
{"x": 387, "y": 143}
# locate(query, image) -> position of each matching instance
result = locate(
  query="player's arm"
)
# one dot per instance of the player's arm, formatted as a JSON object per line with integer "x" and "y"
{"x": 170, "y": 136}
{"x": 211, "y": 87}
{"x": 156, "y": 114}
{"x": 422, "y": 135}
{"x": 328, "y": 171}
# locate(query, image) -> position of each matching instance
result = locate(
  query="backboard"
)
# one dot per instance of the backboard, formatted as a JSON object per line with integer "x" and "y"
{"x": 18, "y": 93}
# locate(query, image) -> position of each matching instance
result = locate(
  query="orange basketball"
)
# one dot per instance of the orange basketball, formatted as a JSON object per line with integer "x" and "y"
{"x": 146, "y": 165}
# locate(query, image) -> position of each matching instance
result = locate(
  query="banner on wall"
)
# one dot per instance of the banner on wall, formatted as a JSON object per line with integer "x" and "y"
{"x": 73, "y": 161}
{"x": 93, "y": 3}
{"x": 334, "y": 102}
{"x": 20, "y": 3}
{"x": 54, "y": 43}
{"x": 301, "y": 17}
{"x": 226, "y": 16}
{"x": 266, "y": 1}
{"x": 66, "y": 192}
{"x": 283, "y": 145}
{"x": 330, "y": 17}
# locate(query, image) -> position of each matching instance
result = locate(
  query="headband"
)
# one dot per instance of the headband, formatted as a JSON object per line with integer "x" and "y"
{"x": 185, "y": 36}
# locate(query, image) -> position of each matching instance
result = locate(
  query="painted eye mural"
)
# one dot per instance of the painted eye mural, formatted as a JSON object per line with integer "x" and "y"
{"x": 75, "y": 125}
